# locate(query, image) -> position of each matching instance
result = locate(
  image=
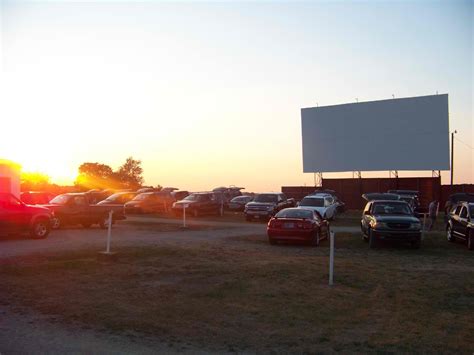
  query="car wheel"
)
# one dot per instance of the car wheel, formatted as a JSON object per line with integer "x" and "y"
{"x": 449, "y": 234}
{"x": 104, "y": 222}
{"x": 372, "y": 239}
{"x": 55, "y": 223}
{"x": 315, "y": 239}
{"x": 470, "y": 240}
{"x": 40, "y": 229}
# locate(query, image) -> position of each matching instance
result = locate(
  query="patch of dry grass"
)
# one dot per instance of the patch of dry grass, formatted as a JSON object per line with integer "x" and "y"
{"x": 244, "y": 294}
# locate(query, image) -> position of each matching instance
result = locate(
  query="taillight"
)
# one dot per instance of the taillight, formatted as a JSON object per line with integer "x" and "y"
{"x": 274, "y": 223}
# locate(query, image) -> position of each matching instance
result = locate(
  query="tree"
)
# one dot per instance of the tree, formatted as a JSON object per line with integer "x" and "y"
{"x": 34, "y": 181}
{"x": 95, "y": 176}
{"x": 130, "y": 173}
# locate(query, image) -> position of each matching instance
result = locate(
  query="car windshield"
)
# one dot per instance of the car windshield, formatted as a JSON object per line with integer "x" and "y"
{"x": 391, "y": 208}
{"x": 294, "y": 213}
{"x": 192, "y": 197}
{"x": 60, "y": 200}
{"x": 142, "y": 197}
{"x": 241, "y": 199}
{"x": 312, "y": 202}
{"x": 266, "y": 198}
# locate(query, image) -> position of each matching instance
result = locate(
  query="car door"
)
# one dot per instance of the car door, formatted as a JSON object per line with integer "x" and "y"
{"x": 455, "y": 219}
{"x": 13, "y": 215}
{"x": 461, "y": 227}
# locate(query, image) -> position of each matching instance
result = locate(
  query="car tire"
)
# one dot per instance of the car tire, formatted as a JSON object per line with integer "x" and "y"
{"x": 56, "y": 223}
{"x": 470, "y": 240}
{"x": 372, "y": 239}
{"x": 40, "y": 229}
{"x": 315, "y": 240}
{"x": 104, "y": 222}
{"x": 449, "y": 234}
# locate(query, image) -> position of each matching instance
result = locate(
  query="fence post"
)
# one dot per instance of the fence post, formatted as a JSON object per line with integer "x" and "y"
{"x": 109, "y": 231}
{"x": 331, "y": 258}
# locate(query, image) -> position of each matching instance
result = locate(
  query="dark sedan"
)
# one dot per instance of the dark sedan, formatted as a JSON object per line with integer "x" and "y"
{"x": 299, "y": 225}
{"x": 197, "y": 204}
{"x": 461, "y": 224}
{"x": 390, "y": 220}
{"x": 238, "y": 203}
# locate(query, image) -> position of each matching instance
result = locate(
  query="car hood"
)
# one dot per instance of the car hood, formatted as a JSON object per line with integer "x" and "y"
{"x": 396, "y": 218}
{"x": 180, "y": 203}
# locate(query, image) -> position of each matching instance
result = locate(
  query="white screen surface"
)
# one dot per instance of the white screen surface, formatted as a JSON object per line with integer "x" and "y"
{"x": 395, "y": 134}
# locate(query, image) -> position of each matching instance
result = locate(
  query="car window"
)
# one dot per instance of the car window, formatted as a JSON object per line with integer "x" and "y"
{"x": 80, "y": 201}
{"x": 295, "y": 213}
{"x": 266, "y": 198}
{"x": 391, "y": 208}
{"x": 9, "y": 200}
{"x": 463, "y": 213}
{"x": 312, "y": 202}
{"x": 457, "y": 210}
{"x": 471, "y": 212}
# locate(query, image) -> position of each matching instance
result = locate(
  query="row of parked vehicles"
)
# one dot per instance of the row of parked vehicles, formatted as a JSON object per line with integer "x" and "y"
{"x": 386, "y": 217}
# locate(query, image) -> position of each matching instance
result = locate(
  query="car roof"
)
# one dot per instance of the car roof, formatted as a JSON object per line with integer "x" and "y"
{"x": 319, "y": 195}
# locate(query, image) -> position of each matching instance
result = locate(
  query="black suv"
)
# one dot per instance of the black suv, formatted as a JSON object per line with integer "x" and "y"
{"x": 461, "y": 224}
{"x": 390, "y": 220}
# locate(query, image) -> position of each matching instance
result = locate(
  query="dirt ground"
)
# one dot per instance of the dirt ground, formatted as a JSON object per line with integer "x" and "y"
{"x": 220, "y": 287}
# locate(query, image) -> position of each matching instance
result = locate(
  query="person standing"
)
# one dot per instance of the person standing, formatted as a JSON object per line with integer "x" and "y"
{"x": 432, "y": 213}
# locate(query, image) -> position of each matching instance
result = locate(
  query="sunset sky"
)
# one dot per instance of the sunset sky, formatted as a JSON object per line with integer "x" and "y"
{"x": 209, "y": 94}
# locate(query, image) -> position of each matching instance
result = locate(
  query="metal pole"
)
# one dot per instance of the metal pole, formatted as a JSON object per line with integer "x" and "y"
{"x": 109, "y": 231}
{"x": 331, "y": 259}
{"x": 452, "y": 158}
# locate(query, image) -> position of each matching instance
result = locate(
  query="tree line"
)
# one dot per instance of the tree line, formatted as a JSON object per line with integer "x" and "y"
{"x": 91, "y": 176}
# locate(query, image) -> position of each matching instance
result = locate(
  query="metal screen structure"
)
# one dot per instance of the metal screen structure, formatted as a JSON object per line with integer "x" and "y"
{"x": 395, "y": 134}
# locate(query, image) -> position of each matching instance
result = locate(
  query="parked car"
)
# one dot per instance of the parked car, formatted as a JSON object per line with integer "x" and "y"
{"x": 390, "y": 220}
{"x": 461, "y": 224}
{"x": 94, "y": 196}
{"x": 371, "y": 196}
{"x": 197, "y": 204}
{"x": 18, "y": 217}
{"x": 409, "y": 196}
{"x": 36, "y": 197}
{"x": 297, "y": 224}
{"x": 119, "y": 198}
{"x": 148, "y": 202}
{"x": 455, "y": 198}
{"x": 75, "y": 208}
{"x": 266, "y": 205}
{"x": 148, "y": 189}
{"x": 238, "y": 203}
{"x": 226, "y": 194}
{"x": 323, "y": 203}
{"x": 341, "y": 206}
{"x": 179, "y": 195}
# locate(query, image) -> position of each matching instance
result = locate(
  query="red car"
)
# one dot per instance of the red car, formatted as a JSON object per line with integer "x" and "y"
{"x": 297, "y": 224}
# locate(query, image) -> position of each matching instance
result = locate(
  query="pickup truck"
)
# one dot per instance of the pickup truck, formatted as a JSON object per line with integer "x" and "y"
{"x": 75, "y": 208}
{"x": 18, "y": 217}
{"x": 267, "y": 205}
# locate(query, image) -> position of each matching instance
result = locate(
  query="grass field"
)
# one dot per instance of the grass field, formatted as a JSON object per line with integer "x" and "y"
{"x": 245, "y": 295}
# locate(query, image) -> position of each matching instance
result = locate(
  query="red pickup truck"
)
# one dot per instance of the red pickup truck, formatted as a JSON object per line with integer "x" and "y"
{"x": 18, "y": 217}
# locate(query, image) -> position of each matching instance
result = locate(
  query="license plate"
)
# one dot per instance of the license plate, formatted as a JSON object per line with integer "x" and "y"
{"x": 289, "y": 225}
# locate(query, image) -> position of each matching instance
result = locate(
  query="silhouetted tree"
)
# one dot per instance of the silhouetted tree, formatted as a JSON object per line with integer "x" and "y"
{"x": 130, "y": 173}
{"x": 95, "y": 176}
{"x": 34, "y": 181}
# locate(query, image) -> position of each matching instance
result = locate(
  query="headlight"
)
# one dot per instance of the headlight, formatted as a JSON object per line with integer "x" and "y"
{"x": 379, "y": 225}
{"x": 416, "y": 225}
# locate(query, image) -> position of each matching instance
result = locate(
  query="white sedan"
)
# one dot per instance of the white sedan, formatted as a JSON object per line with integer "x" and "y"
{"x": 323, "y": 203}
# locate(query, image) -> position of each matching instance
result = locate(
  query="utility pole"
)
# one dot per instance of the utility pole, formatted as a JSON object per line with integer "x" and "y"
{"x": 452, "y": 156}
